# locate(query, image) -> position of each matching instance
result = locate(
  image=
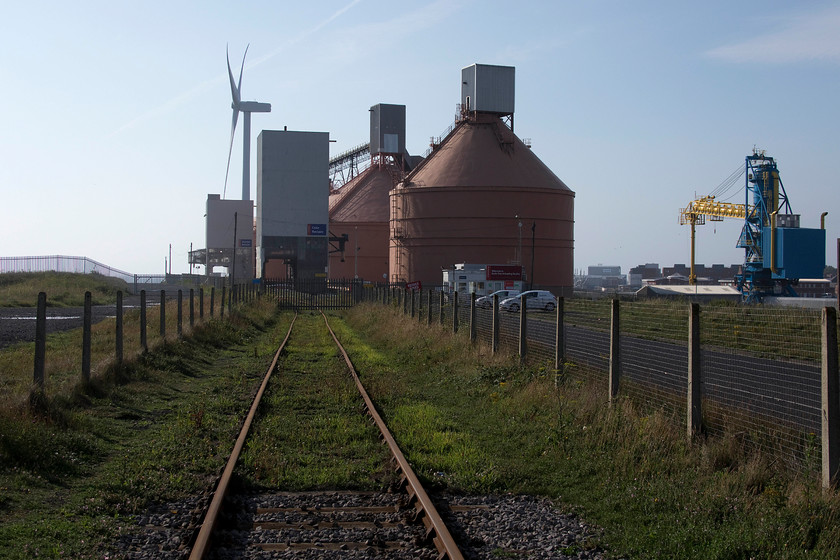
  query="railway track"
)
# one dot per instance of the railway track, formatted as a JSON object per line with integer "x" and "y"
{"x": 345, "y": 524}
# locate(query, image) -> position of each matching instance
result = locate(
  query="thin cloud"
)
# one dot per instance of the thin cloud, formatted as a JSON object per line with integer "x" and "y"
{"x": 810, "y": 37}
{"x": 184, "y": 97}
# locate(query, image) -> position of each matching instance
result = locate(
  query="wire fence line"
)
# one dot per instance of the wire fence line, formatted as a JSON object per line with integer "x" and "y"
{"x": 760, "y": 368}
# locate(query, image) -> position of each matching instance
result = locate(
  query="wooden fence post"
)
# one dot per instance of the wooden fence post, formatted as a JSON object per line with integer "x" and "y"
{"x": 455, "y": 312}
{"x": 473, "y": 325}
{"x": 440, "y": 308}
{"x": 38, "y": 375}
{"x": 495, "y": 342}
{"x": 86, "y": 324}
{"x": 143, "y": 343}
{"x": 163, "y": 314}
{"x": 429, "y": 308}
{"x": 192, "y": 307}
{"x": 830, "y": 401}
{"x": 180, "y": 313}
{"x": 118, "y": 349}
{"x": 413, "y": 298}
{"x": 212, "y": 299}
{"x": 222, "y": 303}
{"x": 615, "y": 357}
{"x": 523, "y": 329}
{"x": 201, "y": 304}
{"x": 694, "y": 414}
{"x": 560, "y": 340}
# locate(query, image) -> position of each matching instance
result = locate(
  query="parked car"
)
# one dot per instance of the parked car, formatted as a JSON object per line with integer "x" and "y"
{"x": 486, "y": 302}
{"x": 534, "y": 299}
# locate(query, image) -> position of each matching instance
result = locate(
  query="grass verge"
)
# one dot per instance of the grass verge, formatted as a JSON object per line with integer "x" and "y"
{"x": 72, "y": 471}
{"x": 472, "y": 422}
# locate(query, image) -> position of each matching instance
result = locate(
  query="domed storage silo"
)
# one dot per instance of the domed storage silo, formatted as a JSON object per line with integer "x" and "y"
{"x": 359, "y": 209}
{"x": 482, "y": 196}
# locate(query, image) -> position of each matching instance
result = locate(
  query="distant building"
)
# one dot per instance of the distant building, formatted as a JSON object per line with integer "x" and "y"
{"x": 600, "y": 276}
{"x": 638, "y": 274}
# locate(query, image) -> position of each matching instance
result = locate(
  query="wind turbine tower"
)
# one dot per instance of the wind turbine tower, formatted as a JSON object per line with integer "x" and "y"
{"x": 246, "y": 107}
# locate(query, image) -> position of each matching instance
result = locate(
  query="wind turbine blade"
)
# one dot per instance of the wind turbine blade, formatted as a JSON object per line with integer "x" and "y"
{"x": 234, "y": 89}
{"x": 239, "y": 86}
{"x": 230, "y": 150}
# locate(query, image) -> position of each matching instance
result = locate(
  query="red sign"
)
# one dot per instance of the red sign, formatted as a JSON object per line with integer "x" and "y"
{"x": 415, "y": 286}
{"x": 504, "y": 272}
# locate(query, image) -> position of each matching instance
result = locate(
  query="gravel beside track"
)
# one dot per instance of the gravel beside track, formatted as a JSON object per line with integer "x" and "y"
{"x": 486, "y": 527}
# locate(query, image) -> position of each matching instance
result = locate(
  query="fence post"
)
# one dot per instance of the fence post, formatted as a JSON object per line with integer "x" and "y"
{"x": 560, "y": 340}
{"x": 413, "y": 298}
{"x": 192, "y": 307}
{"x": 180, "y": 313}
{"x": 163, "y": 315}
{"x": 440, "y": 307}
{"x": 472, "y": 317}
{"x": 222, "y": 303}
{"x": 201, "y": 304}
{"x": 495, "y": 342}
{"x": 86, "y": 322}
{"x": 830, "y": 400}
{"x": 429, "y": 308}
{"x": 212, "y": 298}
{"x": 40, "y": 342}
{"x": 455, "y": 312}
{"x": 615, "y": 357}
{"x": 118, "y": 350}
{"x": 523, "y": 329}
{"x": 694, "y": 417}
{"x": 143, "y": 345}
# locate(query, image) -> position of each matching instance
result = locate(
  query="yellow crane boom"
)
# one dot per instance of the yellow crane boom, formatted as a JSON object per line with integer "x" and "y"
{"x": 695, "y": 215}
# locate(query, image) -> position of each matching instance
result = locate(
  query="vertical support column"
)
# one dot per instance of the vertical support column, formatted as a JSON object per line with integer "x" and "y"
{"x": 523, "y": 329}
{"x": 473, "y": 326}
{"x": 560, "y": 340}
{"x": 86, "y": 324}
{"x": 615, "y": 358}
{"x": 495, "y": 341}
{"x": 180, "y": 313}
{"x": 830, "y": 401}
{"x": 694, "y": 416}
{"x": 455, "y": 312}
{"x": 38, "y": 375}
{"x": 163, "y": 314}
{"x": 118, "y": 350}
{"x": 144, "y": 346}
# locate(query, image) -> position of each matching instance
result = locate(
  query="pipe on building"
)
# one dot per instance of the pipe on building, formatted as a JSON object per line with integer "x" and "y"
{"x": 822, "y": 220}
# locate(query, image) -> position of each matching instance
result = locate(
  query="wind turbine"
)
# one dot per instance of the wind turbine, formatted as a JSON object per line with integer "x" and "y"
{"x": 246, "y": 107}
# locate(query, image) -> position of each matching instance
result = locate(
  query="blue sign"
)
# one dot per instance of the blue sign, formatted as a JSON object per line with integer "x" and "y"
{"x": 316, "y": 229}
{"x": 245, "y": 242}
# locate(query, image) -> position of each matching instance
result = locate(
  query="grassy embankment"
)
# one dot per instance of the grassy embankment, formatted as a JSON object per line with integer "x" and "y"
{"x": 63, "y": 289}
{"x": 472, "y": 422}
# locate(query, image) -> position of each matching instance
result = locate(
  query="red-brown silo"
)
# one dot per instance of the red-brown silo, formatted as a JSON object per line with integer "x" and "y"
{"x": 360, "y": 210}
{"x": 482, "y": 196}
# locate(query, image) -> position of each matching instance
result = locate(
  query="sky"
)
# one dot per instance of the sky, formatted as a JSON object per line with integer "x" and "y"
{"x": 117, "y": 114}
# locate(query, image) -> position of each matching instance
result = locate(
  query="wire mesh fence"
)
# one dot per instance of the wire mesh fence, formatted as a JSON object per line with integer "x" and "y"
{"x": 759, "y": 366}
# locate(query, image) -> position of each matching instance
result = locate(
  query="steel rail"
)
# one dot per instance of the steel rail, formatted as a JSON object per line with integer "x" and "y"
{"x": 435, "y": 527}
{"x": 202, "y": 542}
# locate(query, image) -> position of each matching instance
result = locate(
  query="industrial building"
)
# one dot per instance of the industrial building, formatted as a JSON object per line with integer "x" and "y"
{"x": 482, "y": 195}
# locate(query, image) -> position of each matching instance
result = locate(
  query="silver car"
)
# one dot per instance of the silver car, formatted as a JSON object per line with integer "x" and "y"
{"x": 486, "y": 302}
{"x": 534, "y": 299}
